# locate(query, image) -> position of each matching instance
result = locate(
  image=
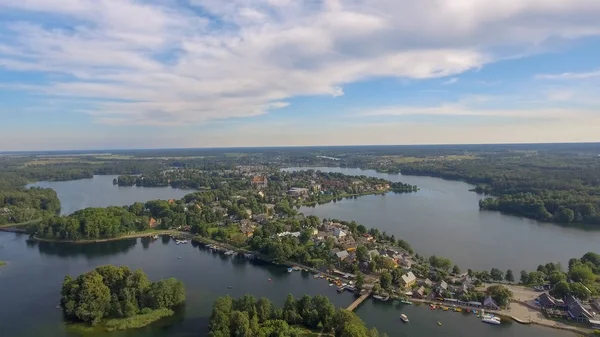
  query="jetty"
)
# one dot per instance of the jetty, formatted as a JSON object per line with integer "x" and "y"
{"x": 358, "y": 301}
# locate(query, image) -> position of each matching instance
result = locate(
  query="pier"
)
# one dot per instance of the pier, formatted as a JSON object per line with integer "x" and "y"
{"x": 358, "y": 301}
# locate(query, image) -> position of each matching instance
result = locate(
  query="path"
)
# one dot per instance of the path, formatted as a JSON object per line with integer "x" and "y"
{"x": 358, "y": 301}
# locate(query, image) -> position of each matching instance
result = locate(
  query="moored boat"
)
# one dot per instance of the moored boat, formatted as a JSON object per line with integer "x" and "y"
{"x": 289, "y": 270}
{"x": 406, "y": 302}
{"x": 491, "y": 320}
{"x": 404, "y": 318}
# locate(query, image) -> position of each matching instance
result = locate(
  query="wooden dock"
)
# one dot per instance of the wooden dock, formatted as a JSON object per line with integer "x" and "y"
{"x": 358, "y": 301}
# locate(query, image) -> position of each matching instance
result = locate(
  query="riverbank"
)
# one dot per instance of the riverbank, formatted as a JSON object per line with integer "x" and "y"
{"x": 121, "y": 324}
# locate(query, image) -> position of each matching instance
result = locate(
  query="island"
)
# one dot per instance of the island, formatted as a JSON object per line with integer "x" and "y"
{"x": 111, "y": 298}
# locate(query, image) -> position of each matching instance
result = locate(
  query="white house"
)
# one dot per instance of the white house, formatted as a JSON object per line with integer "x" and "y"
{"x": 338, "y": 233}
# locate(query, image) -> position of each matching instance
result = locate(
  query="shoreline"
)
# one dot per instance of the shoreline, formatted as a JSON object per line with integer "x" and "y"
{"x": 123, "y": 237}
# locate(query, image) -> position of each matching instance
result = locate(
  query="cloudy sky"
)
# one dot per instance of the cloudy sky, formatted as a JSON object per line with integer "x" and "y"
{"x": 103, "y": 74}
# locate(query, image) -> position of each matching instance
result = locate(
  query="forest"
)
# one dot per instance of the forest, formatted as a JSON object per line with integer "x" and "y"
{"x": 248, "y": 317}
{"x": 557, "y": 188}
{"x": 22, "y": 205}
{"x": 110, "y": 292}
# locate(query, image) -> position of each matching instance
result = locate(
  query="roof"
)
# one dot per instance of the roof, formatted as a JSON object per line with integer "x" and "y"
{"x": 576, "y": 309}
{"x": 421, "y": 291}
{"x": 259, "y": 179}
{"x": 547, "y": 300}
{"x": 409, "y": 277}
{"x": 338, "y": 232}
{"x": 428, "y": 282}
{"x": 443, "y": 285}
{"x": 489, "y": 302}
{"x": 342, "y": 254}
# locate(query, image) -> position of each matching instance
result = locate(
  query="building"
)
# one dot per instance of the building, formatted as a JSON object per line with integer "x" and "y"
{"x": 443, "y": 285}
{"x": 298, "y": 192}
{"x": 338, "y": 233}
{"x": 341, "y": 255}
{"x": 292, "y": 234}
{"x": 152, "y": 223}
{"x": 428, "y": 282}
{"x": 546, "y": 301}
{"x": 420, "y": 293}
{"x": 259, "y": 182}
{"x": 596, "y": 303}
{"x": 408, "y": 279}
{"x": 576, "y": 309}
{"x": 489, "y": 303}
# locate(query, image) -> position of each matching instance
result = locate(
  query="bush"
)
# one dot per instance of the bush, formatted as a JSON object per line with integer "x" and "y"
{"x": 137, "y": 321}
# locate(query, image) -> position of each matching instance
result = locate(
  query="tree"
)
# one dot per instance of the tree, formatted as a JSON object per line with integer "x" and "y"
{"x": 264, "y": 309}
{"x": 385, "y": 280}
{"x": 496, "y": 274}
{"x": 455, "y": 270}
{"x": 509, "y": 277}
{"x": 582, "y": 273}
{"x": 561, "y": 289}
{"x": 536, "y": 278}
{"x": 360, "y": 280}
{"x": 240, "y": 324}
{"x": 290, "y": 314}
{"x": 580, "y": 291}
{"x": 500, "y": 294}
{"x": 524, "y": 277}
{"x": 556, "y": 277}
{"x": 361, "y": 229}
{"x": 362, "y": 254}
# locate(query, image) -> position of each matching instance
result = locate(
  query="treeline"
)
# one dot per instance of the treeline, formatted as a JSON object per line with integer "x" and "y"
{"x": 21, "y": 205}
{"x": 191, "y": 178}
{"x": 248, "y": 317}
{"x": 116, "y": 292}
{"x": 558, "y": 188}
{"x": 89, "y": 224}
{"x": 400, "y": 187}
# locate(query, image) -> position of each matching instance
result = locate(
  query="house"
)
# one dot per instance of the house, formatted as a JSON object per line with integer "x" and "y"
{"x": 420, "y": 293}
{"x": 260, "y": 218}
{"x": 443, "y": 285}
{"x": 152, "y": 223}
{"x": 576, "y": 310}
{"x": 409, "y": 279}
{"x": 428, "y": 282}
{"x": 341, "y": 255}
{"x": 259, "y": 182}
{"x": 463, "y": 289}
{"x": 339, "y": 234}
{"x": 405, "y": 263}
{"x": 171, "y": 201}
{"x": 546, "y": 301}
{"x": 489, "y": 303}
{"x": 298, "y": 192}
{"x": 292, "y": 234}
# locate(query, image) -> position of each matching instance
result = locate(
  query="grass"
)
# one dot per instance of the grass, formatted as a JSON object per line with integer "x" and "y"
{"x": 2, "y": 263}
{"x": 136, "y": 321}
{"x": 21, "y": 223}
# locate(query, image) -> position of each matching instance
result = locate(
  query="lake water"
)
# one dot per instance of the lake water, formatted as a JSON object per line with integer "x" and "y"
{"x": 30, "y": 290}
{"x": 99, "y": 191}
{"x": 443, "y": 218}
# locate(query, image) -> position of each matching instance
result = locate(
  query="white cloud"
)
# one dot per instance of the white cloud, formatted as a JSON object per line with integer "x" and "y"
{"x": 450, "y": 81}
{"x": 569, "y": 76}
{"x": 157, "y": 63}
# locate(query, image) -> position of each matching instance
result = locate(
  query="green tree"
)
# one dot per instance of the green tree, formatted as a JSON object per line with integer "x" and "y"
{"x": 509, "y": 277}
{"x": 290, "y": 313}
{"x": 500, "y": 294}
{"x": 385, "y": 280}
{"x": 240, "y": 324}
{"x": 496, "y": 274}
{"x": 560, "y": 289}
{"x": 580, "y": 291}
{"x": 524, "y": 277}
{"x": 455, "y": 270}
{"x": 360, "y": 280}
{"x": 582, "y": 273}
{"x": 264, "y": 309}
{"x": 536, "y": 278}
{"x": 362, "y": 254}
{"x": 556, "y": 277}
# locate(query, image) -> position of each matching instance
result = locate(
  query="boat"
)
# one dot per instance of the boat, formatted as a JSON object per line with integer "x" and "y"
{"x": 406, "y": 302}
{"x": 491, "y": 320}
{"x": 445, "y": 308}
{"x": 290, "y": 270}
{"x": 229, "y": 287}
{"x": 155, "y": 237}
{"x": 457, "y": 309}
{"x": 439, "y": 323}
{"x": 381, "y": 298}
{"x": 179, "y": 258}
{"x": 269, "y": 280}
{"x": 341, "y": 289}
{"x": 404, "y": 318}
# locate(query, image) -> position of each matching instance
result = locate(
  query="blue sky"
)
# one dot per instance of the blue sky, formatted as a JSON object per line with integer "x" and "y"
{"x": 102, "y": 74}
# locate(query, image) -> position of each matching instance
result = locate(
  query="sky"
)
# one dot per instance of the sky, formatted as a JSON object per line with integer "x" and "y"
{"x": 121, "y": 74}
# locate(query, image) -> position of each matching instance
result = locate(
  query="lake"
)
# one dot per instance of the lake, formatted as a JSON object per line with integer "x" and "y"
{"x": 443, "y": 218}
{"x": 30, "y": 290}
{"x": 99, "y": 191}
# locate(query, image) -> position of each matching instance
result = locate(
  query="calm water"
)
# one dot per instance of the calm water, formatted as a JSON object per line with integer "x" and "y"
{"x": 100, "y": 192}
{"x": 443, "y": 218}
{"x": 30, "y": 290}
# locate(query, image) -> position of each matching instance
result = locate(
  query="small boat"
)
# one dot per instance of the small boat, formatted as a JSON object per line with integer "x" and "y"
{"x": 445, "y": 308}
{"x": 381, "y": 298}
{"x": 155, "y": 237}
{"x": 404, "y": 318}
{"x": 269, "y": 280}
{"x": 179, "y": 258}
{"x": 229, "y": 287}
{"x": 439, "y": 323}
{"x": 58, "y": 307}
{"x": 290, "y": 270}
{"x": 457, "y": 309}
{"x": 491, "y": 320}
{"x": 406, "y": 302}
{"x": 341, "y": 289}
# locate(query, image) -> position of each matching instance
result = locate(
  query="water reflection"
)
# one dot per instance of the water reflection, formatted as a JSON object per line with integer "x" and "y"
{"x": 90, "y": 251}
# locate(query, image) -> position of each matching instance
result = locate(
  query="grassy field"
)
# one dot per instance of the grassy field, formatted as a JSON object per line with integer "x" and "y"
{"x": 136, "y": 321}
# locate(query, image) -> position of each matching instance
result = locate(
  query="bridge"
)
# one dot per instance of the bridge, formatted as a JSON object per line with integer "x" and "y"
{"x": 358, "y": 301}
